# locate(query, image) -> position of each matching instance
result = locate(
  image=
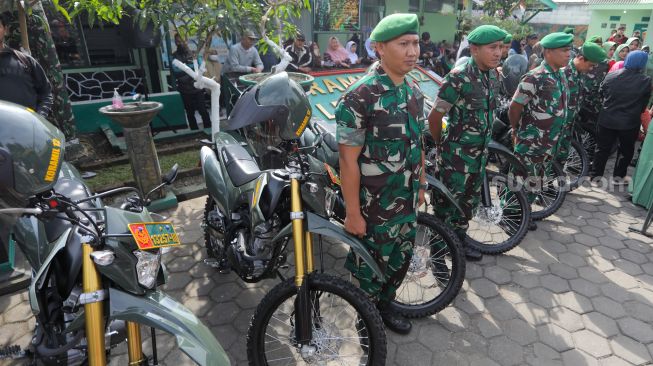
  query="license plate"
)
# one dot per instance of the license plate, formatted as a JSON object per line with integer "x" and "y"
{"x": 152, "y": 235}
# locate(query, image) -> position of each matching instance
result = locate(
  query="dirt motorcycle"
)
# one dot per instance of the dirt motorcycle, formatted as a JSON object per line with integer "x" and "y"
{"x": 251, "y": 217}
{"x": 95, "y": 268}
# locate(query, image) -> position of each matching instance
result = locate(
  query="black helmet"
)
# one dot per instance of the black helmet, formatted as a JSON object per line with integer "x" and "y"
{"x": 31, "y": 153}
{"x": 277, "y": 98}
{"x": 514, "y": 67}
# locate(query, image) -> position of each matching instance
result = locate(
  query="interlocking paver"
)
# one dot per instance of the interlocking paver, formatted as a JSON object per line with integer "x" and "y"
{"x": 554, "y": 283}
{"x": 484, "y": 288}
{"x": 636, "y": 329}
{"x": 555, "y": 337}
{"x": 566, "y": 319}
{"x": 497, "y": 275}
{"x": 591, "y": 343}
{"x": 520, "y": 331}
{"x": 506, "y": 351}
{"x": 630, "y": 350}
{"x": 578, "y": 357}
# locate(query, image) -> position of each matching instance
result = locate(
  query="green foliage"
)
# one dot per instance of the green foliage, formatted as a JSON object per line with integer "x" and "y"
{"x": 192, "y": 18}
{"x": 502, "y": 8}
{"x": 512, "y": 26}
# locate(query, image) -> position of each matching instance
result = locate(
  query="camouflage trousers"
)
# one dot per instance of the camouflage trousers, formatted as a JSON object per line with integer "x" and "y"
{"x": 392, "y": 248}
{"x": 537, "y": 167}
{"x": 466, "y": 190}
{"x": 561, "y": 150}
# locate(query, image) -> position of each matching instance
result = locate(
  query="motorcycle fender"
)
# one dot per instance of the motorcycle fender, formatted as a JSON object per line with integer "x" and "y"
{"x": 57, "y": 247}
{"x": 158, "y": 310}
{"x": 319, "y": 225}
{"x": 443, "y": 190}
{"x": 514, "y": 161}
{"x": 214, "y": 178}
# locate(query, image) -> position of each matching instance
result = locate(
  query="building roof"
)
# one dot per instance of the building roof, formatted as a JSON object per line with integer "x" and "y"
{"x": 620, "y": 4}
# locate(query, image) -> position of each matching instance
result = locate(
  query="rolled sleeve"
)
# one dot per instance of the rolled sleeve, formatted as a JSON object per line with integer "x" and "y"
{"x": 448, "y": 94}
{"x": 350, "y": 118}
{"x": 525, "y": 91}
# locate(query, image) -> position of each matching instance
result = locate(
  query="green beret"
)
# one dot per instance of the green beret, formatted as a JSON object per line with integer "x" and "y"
{"x": 395, "y": 25}
{"x": 486, "y": 34}
{"x": 508, "y": 39}
{"x": 557, "y": 40}
{"x": 593, "y": 52}
{"x": 568, "y": 30}
{"x": 596, "y": 39}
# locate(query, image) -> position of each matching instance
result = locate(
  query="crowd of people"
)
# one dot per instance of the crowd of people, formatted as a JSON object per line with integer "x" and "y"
{"x": 382, "y": 161}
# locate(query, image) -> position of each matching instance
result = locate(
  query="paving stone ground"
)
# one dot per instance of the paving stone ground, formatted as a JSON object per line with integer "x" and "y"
{"x": 578, "y": 291}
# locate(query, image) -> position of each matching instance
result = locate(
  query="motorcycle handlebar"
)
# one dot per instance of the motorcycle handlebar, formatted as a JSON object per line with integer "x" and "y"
{"x": 21, "y": 211}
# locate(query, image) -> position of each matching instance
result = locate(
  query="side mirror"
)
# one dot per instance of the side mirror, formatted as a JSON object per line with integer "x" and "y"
{"x": 171, "y": 175}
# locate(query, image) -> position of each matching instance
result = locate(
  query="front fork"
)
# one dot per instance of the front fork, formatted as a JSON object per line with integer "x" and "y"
{"x": 486, "y": 199}
{"x": 303, "y": 265}
{"x": 94, "y": 316}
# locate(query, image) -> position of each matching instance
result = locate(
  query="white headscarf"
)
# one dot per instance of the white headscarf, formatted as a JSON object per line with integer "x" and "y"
{"x": 353, "y": 57}
{"x": 463, "y": 44}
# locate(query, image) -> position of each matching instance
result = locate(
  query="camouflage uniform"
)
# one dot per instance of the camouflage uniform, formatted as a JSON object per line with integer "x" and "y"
{"x": 544, "y": 93}
{"x": 591, "y": 105}
{"x": 575, "y": 99}
{"x": 387, "y": 121}
{"x": 468, "y": 96}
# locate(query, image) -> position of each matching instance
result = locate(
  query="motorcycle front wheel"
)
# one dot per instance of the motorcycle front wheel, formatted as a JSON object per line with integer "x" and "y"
{"x": 346, "y": 327}
{"x": 550, "y": 196}
{"x": 504, "y": 223}
{"x": 436, "y": 272}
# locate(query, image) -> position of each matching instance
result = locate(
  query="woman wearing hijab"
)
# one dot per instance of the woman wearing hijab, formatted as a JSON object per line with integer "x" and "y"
{"x": 619, "y": 55}
{"x": 625, "y": 94}
{"x": 351, "y": 48}
{"x": 632, "y": 43}
{"x": 610, "y": 48}
{"x": 336, "y": 55}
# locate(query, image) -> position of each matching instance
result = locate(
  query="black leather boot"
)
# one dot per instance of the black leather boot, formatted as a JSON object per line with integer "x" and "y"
{"x": 532, "y": 226}
{"x": 393, "y": 320}
{"x": 472, "y": 255}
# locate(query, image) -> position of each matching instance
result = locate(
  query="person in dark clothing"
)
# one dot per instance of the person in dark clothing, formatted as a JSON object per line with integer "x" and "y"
{"x": 192, "y": 97}
{"x": 531, "y": 40}
{"x": 428, "y": 51}
{"x": 302, "y": 58}
{"x": 625, "y": 94}
{"x": 22, "y": 79}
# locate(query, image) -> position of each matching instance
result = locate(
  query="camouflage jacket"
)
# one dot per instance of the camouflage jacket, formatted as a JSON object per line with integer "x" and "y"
{"x": 544, "y": 93}
{"x": 591, "y": 82}
{"x": 468, "y": 97}
{"x": 575, "y": 82}
{"x": 387, "y": 121}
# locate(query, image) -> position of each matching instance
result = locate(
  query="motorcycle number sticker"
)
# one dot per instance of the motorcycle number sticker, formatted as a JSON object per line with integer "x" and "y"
{"x": 152, "y": 235}
{"x": 335, "y": 178}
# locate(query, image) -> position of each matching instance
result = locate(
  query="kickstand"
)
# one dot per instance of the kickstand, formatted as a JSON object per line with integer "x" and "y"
{"x": 646, "y": 225}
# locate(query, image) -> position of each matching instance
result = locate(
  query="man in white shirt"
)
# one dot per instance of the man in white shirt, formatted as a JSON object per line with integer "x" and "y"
{"x": 243, "y": 57}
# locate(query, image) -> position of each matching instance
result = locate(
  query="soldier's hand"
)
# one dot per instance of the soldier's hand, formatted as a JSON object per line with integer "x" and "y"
{"x": 421, "y": 198}
{"x": 356, "y": 225}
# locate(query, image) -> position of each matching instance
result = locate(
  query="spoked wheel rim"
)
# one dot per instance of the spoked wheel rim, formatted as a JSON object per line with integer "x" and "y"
{"x": 500, "y": 221}
{"x": 430, "y": 269}
{"x": 339, "y": 338}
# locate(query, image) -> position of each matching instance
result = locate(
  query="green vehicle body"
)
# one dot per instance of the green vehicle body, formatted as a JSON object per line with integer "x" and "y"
{"x": 128, "y": 300}
{"x": 227, "y": 197}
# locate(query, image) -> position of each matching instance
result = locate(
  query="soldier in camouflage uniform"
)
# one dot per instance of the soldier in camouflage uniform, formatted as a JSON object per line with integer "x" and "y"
{"x": 468, "y": 97}
{"x": 379, "y": 133}
{"x": 538, "y": 111}
{"x": 591, "y": 105}
{"x": 589, "y": 55}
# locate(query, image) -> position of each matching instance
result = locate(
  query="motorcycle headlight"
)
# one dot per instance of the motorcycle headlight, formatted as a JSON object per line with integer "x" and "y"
{"x": 147, "y": 267}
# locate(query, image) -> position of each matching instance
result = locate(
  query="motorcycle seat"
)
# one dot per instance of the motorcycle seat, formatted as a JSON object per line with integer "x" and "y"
{"x": 328, "y": 130}
{"x": 241, "y": 166}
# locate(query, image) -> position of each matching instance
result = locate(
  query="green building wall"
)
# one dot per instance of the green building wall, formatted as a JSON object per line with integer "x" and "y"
{"x": 440, "y": 26}
{"x": 630, "y": 18}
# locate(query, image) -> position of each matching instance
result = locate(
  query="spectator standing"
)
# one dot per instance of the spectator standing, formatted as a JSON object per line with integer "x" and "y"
{"x": 428, "y": 51}
{"x": 369, "y": 48}
{"x": 531, "y": 40}
{"x": 351, "y": 51}
{"x": 22, "y": 78}
{"x": 302, "y": 57}
{"x": 609, "y": 47}
{"x": 192, "y": 97}
{"x": 619, "y": 37}
{"x": 633, "y": 44}
{"x": 243, "y": 57}
{"x": 625, "y": 94}
{"x": 619, "y": 55}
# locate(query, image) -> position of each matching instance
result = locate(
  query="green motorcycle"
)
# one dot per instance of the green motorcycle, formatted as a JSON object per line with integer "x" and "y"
{"x": 95, "y": 269}
{"x": 251, "y": 217}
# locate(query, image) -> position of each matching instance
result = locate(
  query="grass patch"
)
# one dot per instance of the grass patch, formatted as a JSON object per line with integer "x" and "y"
{"x": 123, "y": 173}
